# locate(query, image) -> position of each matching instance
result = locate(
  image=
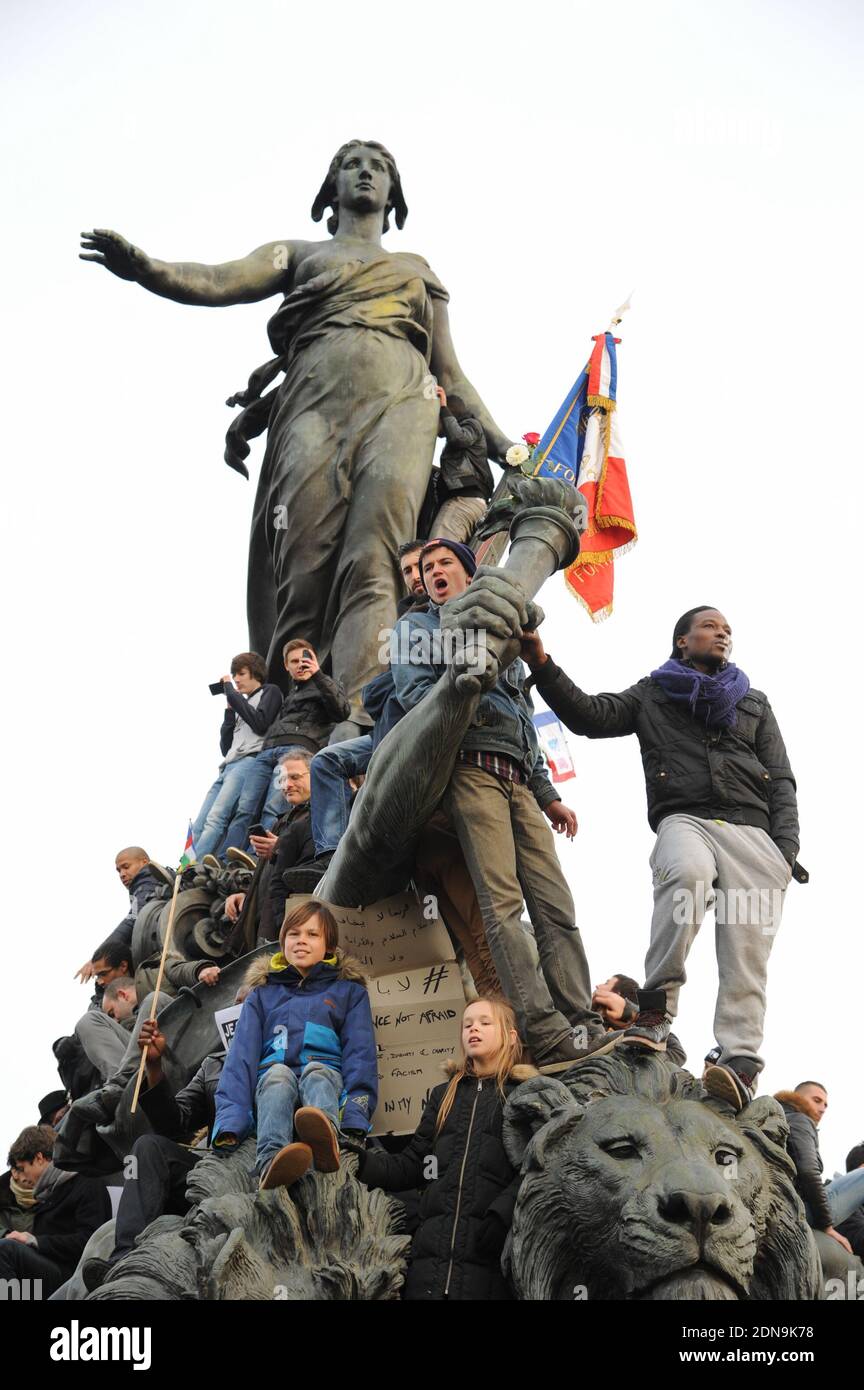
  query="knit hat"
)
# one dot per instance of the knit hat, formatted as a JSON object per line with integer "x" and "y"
{"x": 464, "y": 554}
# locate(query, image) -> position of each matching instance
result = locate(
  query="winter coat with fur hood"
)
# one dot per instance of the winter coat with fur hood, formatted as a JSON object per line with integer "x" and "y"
{"x": 293, "y": 1019}
{"x": 803, "y": 1149}
{"x": 468, "y": 1192}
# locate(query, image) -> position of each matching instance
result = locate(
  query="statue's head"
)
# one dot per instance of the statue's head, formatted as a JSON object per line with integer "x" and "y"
{"x": 363, "y": 176}
{"x": 634, "y": 1188}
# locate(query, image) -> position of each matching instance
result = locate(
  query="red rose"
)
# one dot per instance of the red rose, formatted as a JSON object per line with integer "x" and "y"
{"x": 532, "y": 440}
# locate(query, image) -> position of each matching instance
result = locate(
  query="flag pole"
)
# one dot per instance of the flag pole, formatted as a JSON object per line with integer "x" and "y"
{"x": 153, "y": 1006}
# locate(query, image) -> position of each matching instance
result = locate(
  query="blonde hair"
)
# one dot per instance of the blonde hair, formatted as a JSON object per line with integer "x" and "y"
{"x": 508, "y": 1055}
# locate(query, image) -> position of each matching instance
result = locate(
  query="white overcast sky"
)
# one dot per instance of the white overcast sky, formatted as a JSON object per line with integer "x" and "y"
{"x": 553, "y": 157}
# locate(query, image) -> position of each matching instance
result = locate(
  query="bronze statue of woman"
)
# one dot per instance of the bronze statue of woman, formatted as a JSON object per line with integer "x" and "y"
{"x": 362, "y": 336}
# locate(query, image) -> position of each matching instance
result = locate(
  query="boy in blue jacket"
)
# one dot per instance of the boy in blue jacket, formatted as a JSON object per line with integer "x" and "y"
{"x": 304, "y": 1039}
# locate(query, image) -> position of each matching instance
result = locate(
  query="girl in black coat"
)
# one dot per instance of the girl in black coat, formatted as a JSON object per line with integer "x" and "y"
{"x": 457, "y": 1158}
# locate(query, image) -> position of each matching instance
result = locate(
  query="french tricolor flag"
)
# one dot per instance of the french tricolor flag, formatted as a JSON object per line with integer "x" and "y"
{"x": 582, "y": 446}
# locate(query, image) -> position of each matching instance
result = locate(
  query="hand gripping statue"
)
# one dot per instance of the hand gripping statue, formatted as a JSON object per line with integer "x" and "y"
{"x": 362, "y": 336}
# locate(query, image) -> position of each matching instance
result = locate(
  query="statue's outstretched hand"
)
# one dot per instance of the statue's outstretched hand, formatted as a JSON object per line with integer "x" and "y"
{"x": 494, "y": 606}
{"x": 114, "y": 252}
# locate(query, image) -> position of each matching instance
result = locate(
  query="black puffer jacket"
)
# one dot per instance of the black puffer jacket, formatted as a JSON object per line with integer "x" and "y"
{"x": 296, "y": 846}
{"x": 464, "y": 469}
{"x": 740, "y": 775}
{"x": 803, "y": 1149}
{"x": 470, "y": 1179}
{"x": 67, "y": 1210}
{"x": 308, "y": 714}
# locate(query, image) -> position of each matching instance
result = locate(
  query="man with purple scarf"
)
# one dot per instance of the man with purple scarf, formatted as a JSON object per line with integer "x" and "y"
{"x": 721, "y": 797}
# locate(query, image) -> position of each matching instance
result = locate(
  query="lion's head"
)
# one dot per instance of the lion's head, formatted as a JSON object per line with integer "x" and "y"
{"x": 635, "y": 1187}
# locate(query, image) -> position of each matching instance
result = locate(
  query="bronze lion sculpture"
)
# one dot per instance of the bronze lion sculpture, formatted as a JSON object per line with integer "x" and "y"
{"x": 634, "y": 1186}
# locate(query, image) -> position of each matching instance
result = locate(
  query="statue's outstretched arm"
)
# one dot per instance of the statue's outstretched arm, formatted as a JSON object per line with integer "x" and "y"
{"x": 264, "y": 272}
{"x": 445, "y": 365}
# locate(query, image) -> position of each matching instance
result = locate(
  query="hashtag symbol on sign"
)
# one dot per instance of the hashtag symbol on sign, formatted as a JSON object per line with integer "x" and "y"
{"x": 434, "y": 978}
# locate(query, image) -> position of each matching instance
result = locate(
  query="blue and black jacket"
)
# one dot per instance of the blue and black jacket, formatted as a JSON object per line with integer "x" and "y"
{"x": 322, "y": 1016}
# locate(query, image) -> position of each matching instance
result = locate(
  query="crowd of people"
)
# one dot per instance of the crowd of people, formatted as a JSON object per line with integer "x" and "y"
{"x": 301, "y": 1072}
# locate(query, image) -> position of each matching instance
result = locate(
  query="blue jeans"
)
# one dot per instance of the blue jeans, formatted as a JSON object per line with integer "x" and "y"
{"x": 220, "y": 803}
{"x": 845, "y": 1194}
{"x": 331, "y": 795}
{"x": 279, "y": 1093}
{"x": 258, "y": 785}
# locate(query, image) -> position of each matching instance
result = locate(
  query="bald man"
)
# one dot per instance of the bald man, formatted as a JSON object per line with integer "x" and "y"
{"x": 133, "y": 868}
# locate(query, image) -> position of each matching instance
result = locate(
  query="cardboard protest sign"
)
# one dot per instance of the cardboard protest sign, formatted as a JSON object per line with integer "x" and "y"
{"x": 406, "y": 1075}
{"x": 420, "y": 1005}
{"x": 398, "y": 933}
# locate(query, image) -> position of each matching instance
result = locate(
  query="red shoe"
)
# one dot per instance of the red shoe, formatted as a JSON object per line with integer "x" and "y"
{"x": 316, "y": 1129}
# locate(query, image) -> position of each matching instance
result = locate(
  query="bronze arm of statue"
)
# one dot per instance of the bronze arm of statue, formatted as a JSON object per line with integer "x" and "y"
{"x": 262, "y": 273}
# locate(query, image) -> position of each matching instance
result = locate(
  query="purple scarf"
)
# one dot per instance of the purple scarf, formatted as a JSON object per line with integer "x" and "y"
{"x": 712, "y": 699}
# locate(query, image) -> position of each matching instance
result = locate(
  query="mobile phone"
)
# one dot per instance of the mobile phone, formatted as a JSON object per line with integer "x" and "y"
{"x": 258, "y": 830}
{"x": 217, "y": 688}
{"x": 306, "y": 654}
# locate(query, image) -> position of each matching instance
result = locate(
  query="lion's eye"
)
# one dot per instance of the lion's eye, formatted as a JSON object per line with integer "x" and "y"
{"x": 725, "y": 1157}
{"x": 621, "y": 1148}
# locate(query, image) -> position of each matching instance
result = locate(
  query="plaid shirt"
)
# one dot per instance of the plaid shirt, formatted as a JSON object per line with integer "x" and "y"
{"x": 496, "y": 763}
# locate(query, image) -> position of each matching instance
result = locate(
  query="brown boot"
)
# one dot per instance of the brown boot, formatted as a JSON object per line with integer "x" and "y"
{"x": 286, "y": 1167}
{"x": 316, "y": 1130}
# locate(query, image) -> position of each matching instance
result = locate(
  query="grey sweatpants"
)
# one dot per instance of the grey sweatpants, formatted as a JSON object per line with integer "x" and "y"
{"x": 739, "y": 872}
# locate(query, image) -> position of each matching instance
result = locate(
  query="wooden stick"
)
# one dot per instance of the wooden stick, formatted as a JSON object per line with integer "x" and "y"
{"x": 153, "y": 1006}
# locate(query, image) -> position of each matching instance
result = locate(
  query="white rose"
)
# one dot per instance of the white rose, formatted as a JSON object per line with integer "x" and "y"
{"x": 516, "y": 455}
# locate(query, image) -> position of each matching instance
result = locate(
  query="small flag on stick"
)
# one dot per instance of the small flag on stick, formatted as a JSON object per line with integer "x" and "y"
{"x": 188, "y": 856}
{"x": 553, "y": 741}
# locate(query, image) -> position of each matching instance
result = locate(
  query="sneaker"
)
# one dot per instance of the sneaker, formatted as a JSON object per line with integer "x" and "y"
{"x": 565, "y": 1054}
{"x": 728, "y": 1083}
{"x": 94, "y": 1272}
{"x": 210, "y": 861}
{"x": 304, "y": 878}
{"x": 241, "y": 858}
{"x": 651, "y": 1028}
{"x": 315, "y": 1129}
{"x": 161, "y": 874}
{"x": 286, "y": 1167}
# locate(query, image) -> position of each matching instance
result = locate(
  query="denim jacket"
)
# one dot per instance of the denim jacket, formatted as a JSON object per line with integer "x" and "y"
{"x": 503, "y": 720}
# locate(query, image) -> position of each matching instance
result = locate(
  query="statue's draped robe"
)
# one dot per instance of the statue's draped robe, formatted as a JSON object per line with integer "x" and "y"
{"x": 351, "y": 436}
